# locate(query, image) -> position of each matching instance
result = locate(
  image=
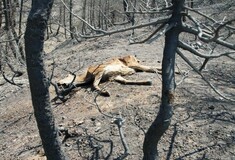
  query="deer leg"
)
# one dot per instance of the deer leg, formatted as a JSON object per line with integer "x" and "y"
{"x": 96, "y": 83}
{"x": 122, "y": 80}
{"x": 144, "y": 68}
{"x": 150, "y": 69}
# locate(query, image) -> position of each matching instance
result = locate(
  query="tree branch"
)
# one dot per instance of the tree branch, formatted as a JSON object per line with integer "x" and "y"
{"x": 192, "y": 30}
{"x": 187, "y": 47}
{"x": 166, "y": 27}
{"x": 119, "y": 121}
{"x": 198, "y": 72}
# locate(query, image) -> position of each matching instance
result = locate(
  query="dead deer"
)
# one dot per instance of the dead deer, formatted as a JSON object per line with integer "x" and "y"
{"x": 112, "y": 70}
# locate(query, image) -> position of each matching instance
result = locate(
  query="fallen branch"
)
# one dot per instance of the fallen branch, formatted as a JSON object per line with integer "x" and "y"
{"x": 63, "y": 92}
{"x": 119, "y": 121}
{"x": 12, "y": 80}
{"x": 98, "y": 147}
{"x": 28, "y": 148}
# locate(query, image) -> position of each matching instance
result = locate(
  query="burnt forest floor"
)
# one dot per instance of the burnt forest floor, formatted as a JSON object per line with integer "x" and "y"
{"x": 202, "y": 127}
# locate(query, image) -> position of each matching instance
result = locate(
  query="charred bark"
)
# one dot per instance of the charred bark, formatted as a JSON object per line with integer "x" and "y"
{"x": 71, "y": 19}
{"x": 6, "y": 14}
{"x": 1, "y": 14}
{"x": 39, "y": 83}
{"x": 20, "y": 16}
{"x": 163, "y": 119}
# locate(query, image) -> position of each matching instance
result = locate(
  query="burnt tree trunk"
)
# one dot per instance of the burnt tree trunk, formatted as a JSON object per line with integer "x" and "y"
{"x": 39, "y": 83}
{"x": 60, "y": 19}
{"x": 163, "y": 119}
{"x": 83, "y": 28}
{"x": 1, "y": 12}
{"x": 20, "y": 16}
{"x": 125, "y": 8}
{"x": 64, "y": 21}
{"x": 71, "y": 19}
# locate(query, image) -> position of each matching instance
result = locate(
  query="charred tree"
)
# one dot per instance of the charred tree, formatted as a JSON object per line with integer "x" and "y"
{"x": 39, "y": 83}
{"x": 20, "y": 18}
{"x": 64, "y": 21}
{"x": 130, "y": 18}
{"x": 163, "y": 119}
{"x": 60, "y": 19}
{"x": 1, "y": 10}
{"x": 71, "y": 19}
{"x": 6, "y": 15}
{"x": 83, "y": 28}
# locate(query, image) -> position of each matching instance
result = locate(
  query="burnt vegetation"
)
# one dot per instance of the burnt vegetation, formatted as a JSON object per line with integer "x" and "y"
{"x": 64, "y": 36}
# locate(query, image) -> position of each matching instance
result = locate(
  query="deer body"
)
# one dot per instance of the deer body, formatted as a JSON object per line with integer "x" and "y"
{"x": 113, "y": 69}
